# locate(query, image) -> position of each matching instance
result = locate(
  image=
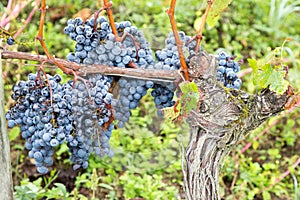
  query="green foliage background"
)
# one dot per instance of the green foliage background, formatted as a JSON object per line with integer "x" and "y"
{"x": 147, "y": 160}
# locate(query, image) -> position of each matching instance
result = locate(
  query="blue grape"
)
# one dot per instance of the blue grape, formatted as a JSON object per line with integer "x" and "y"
{"x": 42, "y": 169}
{"x": 38, "y": 156}
{"x": 227, "y": 70}
{"x": 80, "y": 39}
{"x": 10, "y": 41}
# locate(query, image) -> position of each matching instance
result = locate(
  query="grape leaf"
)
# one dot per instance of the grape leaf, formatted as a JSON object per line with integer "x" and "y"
{"x": 189, "y": 98}
{"x": 267, "y": 75}
{"x": 215, "y": 11}
{"x": 253, "y": 64}
{"x": 277, "y": 82}
{"x": 188, "y": 101}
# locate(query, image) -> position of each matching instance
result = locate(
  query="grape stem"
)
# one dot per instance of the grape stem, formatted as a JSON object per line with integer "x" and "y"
{"x": 132, "y": 65}
{"x": 198, "y": 36}
{"x": 107, "y": 6}
{"x": 96, "y": 15}
{"x": 125, "y": 34}
{"x": 39, "y": 37}
{"x": 85, "y": 81}
{"x": 183, "y": 64}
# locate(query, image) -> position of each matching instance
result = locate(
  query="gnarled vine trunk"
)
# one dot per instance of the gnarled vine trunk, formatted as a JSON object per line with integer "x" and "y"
{"x": 6, "y": 183}
{"x": 223, "y": 118}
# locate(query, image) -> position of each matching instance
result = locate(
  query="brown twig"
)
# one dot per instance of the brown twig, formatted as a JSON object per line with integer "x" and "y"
{"x": 293, "y": 101}
{"x": 198, "y": 36}
{"x": 107, "y": 6}
{"x": 170, "y": 13}
{"x": 96, "y": 15}
{"x": 245, "y": 72}
{"x": 39, "y": 37}
{"x": 146, "y": 74}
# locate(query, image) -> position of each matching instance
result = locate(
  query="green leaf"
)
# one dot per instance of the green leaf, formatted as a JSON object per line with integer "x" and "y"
{"x": 253, "y": 64}
{"x": 190, "y": 97}
{"x": 255, "y": 145}
{"x": 106, "y": 186}
{"x": 215, "y": 11}
{"x": 266, "y": 195}
{"x": 277, "y": 82}
{"x": 61, "y": 187}
{"x": 197, "y": 23}
{"x": 266, "y": 75}
{"x": 14, "y": 133}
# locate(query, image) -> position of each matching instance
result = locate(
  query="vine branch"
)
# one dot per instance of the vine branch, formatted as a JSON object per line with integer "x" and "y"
{"x": 198, "y": 36}
{"x": 138, "y": 73}
{"x": 284, "y": 114}
{"x": 183, "y": 64}
{"x": 39, "y": 37}
{"x": 200, "y": 31}
{"x": 107, "y": 7}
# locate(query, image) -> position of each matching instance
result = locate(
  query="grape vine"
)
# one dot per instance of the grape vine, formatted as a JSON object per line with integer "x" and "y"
{"x": 81, "y": 112}
{"x": 84, "y": 111}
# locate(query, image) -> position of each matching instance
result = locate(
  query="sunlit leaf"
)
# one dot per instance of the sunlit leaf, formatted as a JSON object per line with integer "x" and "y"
{"x": 277, "y": 82}
{"x": 255, "y": 145}
{"x": 217, "y": 8}
{"x": 267, "y": 75}
{"x": 253, "y": 64}
{"x": 14, "y": 133}
{"x": 266, "y": 195}
{"x": 190, "y": 97}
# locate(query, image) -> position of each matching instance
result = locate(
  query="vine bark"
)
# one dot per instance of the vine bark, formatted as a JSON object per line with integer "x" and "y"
{"x": 224, "y": 117}
{"x": 6, "y": 183}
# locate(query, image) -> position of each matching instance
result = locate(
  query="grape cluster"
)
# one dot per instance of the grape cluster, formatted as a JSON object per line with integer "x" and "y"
{"x": 50, "y": 113}
{"x": 130, "y": 50}
{"x": 132, "y": 90}
{"x": 130, "y": 93}
{"x": 227, "y": 69}
{"x": 44, "y": 123}
{"x": 91, "y": 109}
{"x": 85, "y": 36}
{"x": 168, "y": 59}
